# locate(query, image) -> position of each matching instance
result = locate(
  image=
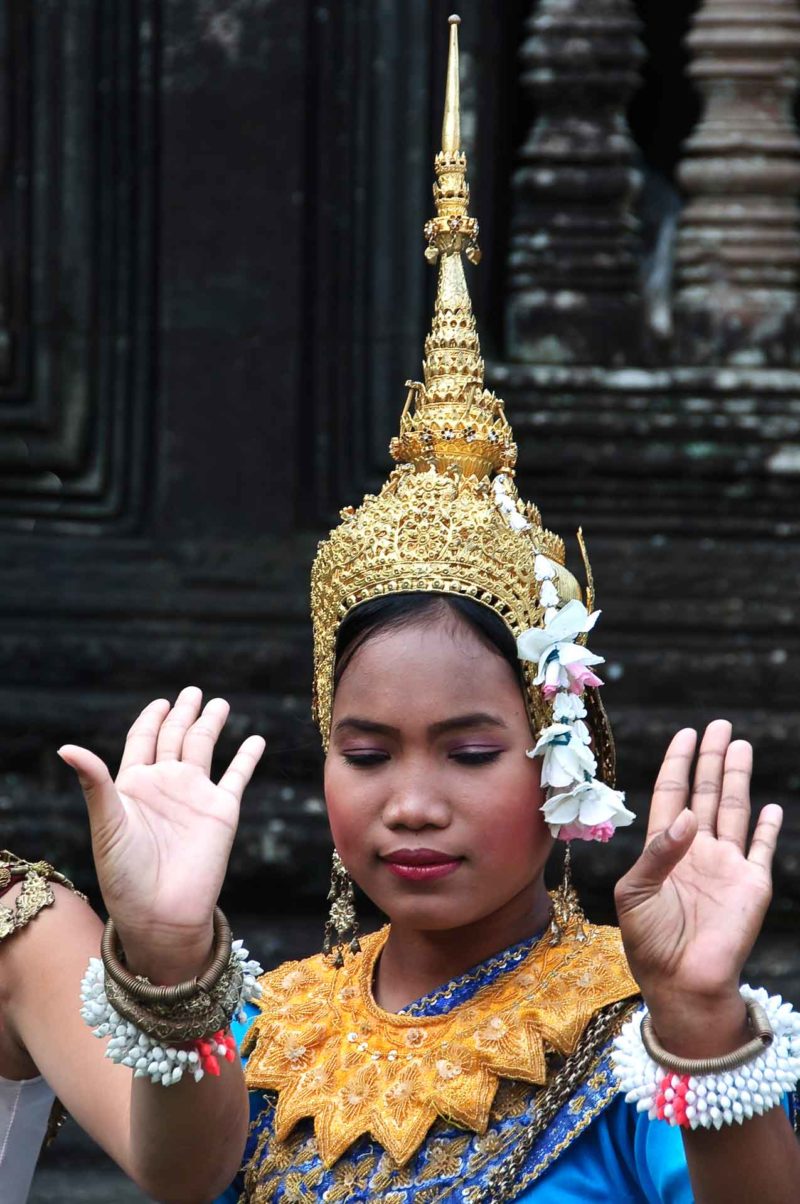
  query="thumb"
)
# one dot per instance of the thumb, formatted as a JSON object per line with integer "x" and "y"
{"x": 658, "y": 858}
{"x": 102, "y": 800}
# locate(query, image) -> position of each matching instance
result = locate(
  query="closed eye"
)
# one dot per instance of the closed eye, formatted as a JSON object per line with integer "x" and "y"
{"x": 365, "y": 760}
{"x": 476, "y": 756}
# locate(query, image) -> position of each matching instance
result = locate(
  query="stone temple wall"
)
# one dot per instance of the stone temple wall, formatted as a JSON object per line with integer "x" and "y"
{"x": 212, "y": 289}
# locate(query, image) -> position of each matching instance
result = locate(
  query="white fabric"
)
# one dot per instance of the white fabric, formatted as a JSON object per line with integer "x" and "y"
{"x": 24, "y": 1113}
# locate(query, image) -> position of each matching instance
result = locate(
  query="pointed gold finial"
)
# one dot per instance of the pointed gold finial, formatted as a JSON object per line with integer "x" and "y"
{"x": 456, "y": 423}
{"x": 451, "y": 125}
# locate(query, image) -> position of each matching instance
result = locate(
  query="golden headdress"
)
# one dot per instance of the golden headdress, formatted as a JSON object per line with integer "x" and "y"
{"x": 449, "y": 519}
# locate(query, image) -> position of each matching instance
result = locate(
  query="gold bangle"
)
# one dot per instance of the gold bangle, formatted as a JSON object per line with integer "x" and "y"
{"x": 141, "y": 989}
{"x": 180, "y": 1020}
{"x": 759, "y": 1023}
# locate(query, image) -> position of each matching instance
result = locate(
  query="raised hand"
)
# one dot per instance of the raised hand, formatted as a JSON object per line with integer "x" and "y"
{"x": 691, "y": 907}
{"x": 162, "y": 832}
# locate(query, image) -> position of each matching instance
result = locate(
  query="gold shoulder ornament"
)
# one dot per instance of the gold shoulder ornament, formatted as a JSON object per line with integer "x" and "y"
{"x": 36, "y": 893}
{"x": 329, "y": 1051}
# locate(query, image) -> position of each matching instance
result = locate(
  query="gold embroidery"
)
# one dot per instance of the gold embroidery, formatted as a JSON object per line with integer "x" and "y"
{"x": 576, "y": 1104}
{"x": 507, "y": 1179}
{"x": 348, "y": 1178}
{"x": 443, "y": 1158}
{"x": 331, "y": 1053}
{"x": 460, "y": 1159}
{"x": 511, "y": 1100}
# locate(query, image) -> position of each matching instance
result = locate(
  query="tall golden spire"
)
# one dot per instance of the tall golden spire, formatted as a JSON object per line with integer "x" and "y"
{"x": 456, "y": 423}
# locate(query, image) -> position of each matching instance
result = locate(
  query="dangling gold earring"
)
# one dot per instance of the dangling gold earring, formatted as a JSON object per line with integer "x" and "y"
{"x": 567, "y": 912}
{"x": 341, "y": 927}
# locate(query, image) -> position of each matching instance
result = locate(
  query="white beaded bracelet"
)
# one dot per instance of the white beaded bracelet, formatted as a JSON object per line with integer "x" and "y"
{"x": 130, "y": 1046}
{"x": 712, "y": 1100}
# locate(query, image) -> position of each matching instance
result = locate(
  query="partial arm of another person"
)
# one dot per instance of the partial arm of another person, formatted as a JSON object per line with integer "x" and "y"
{"x": 690, "y": 910}
{"x": 40, "y": 975}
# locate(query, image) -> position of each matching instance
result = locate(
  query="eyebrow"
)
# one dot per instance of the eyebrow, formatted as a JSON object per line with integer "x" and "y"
{"x": 473, "y": 719}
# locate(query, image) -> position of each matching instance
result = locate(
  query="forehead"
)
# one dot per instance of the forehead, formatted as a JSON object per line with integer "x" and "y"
{"x": 437, "y": 664}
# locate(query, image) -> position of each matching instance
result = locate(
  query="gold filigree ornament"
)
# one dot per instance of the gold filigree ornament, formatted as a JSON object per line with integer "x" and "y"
{"x": 36, "y": 892}
{"x": 437, "y": 525}
{"x": 35, "y": 895}
{"x": 329, "y": 1051}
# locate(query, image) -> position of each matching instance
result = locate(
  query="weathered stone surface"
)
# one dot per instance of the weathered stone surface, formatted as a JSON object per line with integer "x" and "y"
{"x": 738, "y": 257}
{"x": 204, "y": 422}
{"x": 573, "y": 281}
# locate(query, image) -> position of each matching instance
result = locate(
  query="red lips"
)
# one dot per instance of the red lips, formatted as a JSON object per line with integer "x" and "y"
{"x": 418, "y": 857}
{"x": 421, "y": 865}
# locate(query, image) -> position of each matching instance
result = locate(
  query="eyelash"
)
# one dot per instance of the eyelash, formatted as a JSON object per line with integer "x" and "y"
{"x": 365, "y": 760}
{"x": 477, "y": 758}
{"x": 370, "y": 760}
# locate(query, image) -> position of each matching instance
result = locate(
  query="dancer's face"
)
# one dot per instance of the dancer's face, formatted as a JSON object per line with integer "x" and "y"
{"x": 427, "y": 764}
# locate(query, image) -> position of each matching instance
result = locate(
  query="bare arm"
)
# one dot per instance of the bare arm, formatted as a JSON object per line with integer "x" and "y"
{"x": 690, "y": 911}
{"x": 40, "y": 970}
{"x": 161, "y": 837}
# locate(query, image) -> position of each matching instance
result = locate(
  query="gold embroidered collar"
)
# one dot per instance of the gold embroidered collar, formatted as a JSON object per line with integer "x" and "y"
{"x": 331, "y": 1053}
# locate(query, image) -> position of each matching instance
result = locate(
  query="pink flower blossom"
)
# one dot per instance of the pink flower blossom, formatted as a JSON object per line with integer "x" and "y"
{"x": 580, "y": 677}
{"x": 602, "y": 832}
{"x": 578, "y": 831}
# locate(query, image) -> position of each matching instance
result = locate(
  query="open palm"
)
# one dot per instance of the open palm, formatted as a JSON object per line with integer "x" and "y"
{"x": 691, "y": 907}
{"x": 162, "y": 832}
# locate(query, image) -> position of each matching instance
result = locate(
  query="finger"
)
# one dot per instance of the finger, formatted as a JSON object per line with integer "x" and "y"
{"x": 707, "y": 786}
{"x": 201, "y": 739}
{"x": 170, "y": 737}
{"x": 102, "y": 800}
{"x": 672, "y": 784}
{"x": 733, "y": 816}
{"x": 241, "y": 768}
{"x": 765, "y": 837}
{"x": 140, "y": 745}
{"x": 659, "y": 857}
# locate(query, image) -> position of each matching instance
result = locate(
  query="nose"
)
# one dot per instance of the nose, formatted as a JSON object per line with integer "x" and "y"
{"x": 415, "y": 803}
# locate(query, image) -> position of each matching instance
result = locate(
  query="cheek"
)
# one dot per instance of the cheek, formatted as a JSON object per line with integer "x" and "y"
{"x": 346, "y": 811}
{"x": 513, "y": 823}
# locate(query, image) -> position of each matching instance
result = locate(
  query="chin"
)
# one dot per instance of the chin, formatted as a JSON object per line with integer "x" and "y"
{"x": 429, "y": 915}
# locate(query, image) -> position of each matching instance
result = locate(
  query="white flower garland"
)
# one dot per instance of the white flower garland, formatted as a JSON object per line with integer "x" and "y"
{"x": 712, "y": 1100}
{"x": 508, "y": 505}
{"x": 130, "y": 1046}
{"x": 578, "y": 806}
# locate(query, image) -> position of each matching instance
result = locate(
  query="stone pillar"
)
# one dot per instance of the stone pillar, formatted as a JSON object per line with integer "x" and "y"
{"x": 574, "y": 263}
{"x": 738, "y": 260}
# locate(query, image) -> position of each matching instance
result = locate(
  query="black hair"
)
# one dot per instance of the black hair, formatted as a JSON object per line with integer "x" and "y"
{"x": 401, "y": 610}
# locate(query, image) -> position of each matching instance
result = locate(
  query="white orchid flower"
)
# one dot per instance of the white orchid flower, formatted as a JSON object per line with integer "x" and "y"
{"x": 518, "y": 521}
{"x": 589, "y": 811}
{"x": 548, "y": 595}
{"x": 543, "y": 569}
{"x": 507, "y": 504}
{"x": 567, "y": 708}
{"x": 566, "y": 755}
{"x": 562, "y": 664}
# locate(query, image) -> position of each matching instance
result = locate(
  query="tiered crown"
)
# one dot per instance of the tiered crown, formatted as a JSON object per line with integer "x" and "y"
{"x": 449, "y": 519}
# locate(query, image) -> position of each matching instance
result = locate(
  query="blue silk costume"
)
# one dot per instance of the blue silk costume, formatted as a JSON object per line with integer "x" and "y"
{"x": 598, "y": 1148}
